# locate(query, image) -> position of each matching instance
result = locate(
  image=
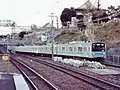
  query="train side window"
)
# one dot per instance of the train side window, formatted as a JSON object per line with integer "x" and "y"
{"x": 46, "y": 48}
{"x": 70, "y": 49}
{"x": 40, "y": 48}
{"x": 75, "y": 49}
{"x": 63, "y": 48}
{"x": 56, "y": 48}
{"x": 50, "y": 48}
{"x": 89, "y": 49}
{"x": 79, "y": 48}
{"x": 33, "y": 48}
{"x": 85, "y": 49}
{"x": 60, "y": 49}
{"x": 43, "y": 49}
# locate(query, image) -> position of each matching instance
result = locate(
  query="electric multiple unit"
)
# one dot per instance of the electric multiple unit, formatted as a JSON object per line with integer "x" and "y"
{"x": 72, "y": 49}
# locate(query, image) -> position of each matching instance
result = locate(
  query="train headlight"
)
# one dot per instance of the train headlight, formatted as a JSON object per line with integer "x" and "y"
{"x": 98, "y": 44}
{"x": 102, "y": 44}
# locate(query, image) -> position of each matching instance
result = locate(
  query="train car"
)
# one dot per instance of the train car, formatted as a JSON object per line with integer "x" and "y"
{"x": 78, "y": 49}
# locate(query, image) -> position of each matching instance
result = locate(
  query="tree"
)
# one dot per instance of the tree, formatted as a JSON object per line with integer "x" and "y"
{"x": 118, "y": 8}
{"x": 13, "y": 24}
{"x": 33, "y": 27}
{"x": 21, "y": 34}
{"x": 111, "y": 9}
{"x": 66, "y": 15}
{"x": 73, "y": 12}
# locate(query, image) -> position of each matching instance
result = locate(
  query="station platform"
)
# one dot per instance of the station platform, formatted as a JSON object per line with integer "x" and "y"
{"x": 12, "y": 81}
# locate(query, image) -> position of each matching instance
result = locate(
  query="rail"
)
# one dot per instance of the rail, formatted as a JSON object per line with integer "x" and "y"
{"x": 79, "y": 75}
{"x": 37, "y": 74}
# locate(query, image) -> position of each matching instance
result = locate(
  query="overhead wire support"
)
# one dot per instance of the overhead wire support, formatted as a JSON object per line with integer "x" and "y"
{"x": 98, "y": 5}
{"x": 52, "y": 22}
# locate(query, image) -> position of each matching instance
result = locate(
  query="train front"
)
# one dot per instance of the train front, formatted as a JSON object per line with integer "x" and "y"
{"x": 98, "y": 51}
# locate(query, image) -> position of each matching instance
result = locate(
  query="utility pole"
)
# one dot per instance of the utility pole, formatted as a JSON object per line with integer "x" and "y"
{"x": 57, "y": 22}
{"x": 52, "y": 22}
{"x": 13, "y": 29}
{"x": 98, "y": 5}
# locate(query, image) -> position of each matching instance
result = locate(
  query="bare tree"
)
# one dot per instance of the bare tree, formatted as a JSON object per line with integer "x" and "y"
{"x": 33, "y": 27}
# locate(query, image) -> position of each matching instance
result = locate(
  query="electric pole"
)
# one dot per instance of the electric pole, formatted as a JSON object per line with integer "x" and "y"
{"x": 13, "y": 29}
{"x": 52, "y": 22}
{"x": 57, "y": 22}
{"x": 98, "y": 5}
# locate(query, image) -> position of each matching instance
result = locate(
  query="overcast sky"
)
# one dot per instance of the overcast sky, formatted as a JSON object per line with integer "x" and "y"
{"x": 27, "y": 12}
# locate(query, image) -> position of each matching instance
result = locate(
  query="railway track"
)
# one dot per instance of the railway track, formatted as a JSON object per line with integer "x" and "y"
{"x": 112, "y": 65}
{"x": 35, "y": 79}
{"x": 98, "y": 83}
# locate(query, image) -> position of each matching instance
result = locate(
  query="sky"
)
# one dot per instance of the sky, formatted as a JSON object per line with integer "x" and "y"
{"x": 28, "y": 12}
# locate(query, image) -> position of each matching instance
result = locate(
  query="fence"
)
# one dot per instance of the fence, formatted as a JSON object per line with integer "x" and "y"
{"x": 113, "y": 59}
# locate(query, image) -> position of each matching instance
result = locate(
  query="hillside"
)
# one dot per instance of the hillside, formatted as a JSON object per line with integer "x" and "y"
{"x": 70, "y": 34}
{"x": 108, "y": 32}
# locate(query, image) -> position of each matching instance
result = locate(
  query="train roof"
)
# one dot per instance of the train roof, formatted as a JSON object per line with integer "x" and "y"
{"x": 70, "y": 43}
{"x": 12, "y": 82}
{"x": 79, "y": 42}
{"x": 84, "y": 42}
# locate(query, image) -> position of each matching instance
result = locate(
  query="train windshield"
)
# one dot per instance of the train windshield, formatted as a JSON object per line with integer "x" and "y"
{"x": 98, "y": 47}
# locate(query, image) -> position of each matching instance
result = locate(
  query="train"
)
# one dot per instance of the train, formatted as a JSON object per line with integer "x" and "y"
{"x": 75, "y": 49}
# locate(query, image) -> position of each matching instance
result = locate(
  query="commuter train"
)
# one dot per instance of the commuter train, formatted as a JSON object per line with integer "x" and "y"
{"x": 76, "y": 49}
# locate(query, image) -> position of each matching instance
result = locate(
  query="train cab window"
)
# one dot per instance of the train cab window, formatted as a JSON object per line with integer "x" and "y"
{"x": 98, "y": 47}
{"x": 70, "y": 49}
{"x": 79, "y": 48}
{"x": 63, "y": 48}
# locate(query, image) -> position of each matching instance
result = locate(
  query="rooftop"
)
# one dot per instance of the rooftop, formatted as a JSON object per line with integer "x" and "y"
{"x": 87, "y": 5}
